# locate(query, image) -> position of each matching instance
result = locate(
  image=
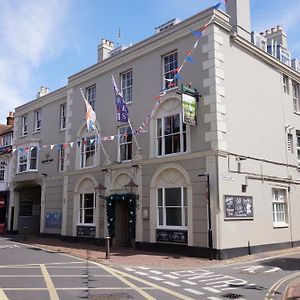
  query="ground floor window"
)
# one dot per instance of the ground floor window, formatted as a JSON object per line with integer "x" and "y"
{"x": 279, "y": 203}
{"x": 172, "y": 207}
{"x": 87, "y": 209}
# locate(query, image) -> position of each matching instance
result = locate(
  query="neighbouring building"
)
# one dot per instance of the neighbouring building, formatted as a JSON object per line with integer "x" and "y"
{"x": 224, "y": 186}
{"x": 6, "y": 168}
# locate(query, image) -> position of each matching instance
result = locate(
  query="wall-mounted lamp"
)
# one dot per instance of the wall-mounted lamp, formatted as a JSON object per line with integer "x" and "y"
{"x": 131, "y": 187}
{"x": 100, "y": 190}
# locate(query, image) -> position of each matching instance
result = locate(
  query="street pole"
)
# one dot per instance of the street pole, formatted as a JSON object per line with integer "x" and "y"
{"x": 210, "y": 236}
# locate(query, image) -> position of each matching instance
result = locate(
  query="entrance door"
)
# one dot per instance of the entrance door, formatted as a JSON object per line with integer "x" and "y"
{"x": 121, "y": 238}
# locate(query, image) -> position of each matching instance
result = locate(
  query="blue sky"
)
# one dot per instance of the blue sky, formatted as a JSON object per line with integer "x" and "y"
{"x": 44, "y": 42}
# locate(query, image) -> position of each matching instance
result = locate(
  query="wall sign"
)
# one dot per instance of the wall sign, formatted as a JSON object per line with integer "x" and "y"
{"x": 171, "y": 236}
{"x": 89, "y": 231}
{"x": 53, "y": 220}
{"x": 189, "y": 112}
{"x": 238, "y": 207}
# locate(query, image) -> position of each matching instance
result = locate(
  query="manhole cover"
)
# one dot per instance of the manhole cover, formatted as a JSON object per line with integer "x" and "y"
{"x": 116, "y": 296}
{"x": 232, "y": 296}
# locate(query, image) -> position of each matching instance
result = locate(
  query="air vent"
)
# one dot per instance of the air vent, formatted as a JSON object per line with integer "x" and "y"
{"x": 167, "y": 25}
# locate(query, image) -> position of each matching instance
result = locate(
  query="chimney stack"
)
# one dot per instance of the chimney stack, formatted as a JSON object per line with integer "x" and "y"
{"x": 239, "y": 12}
{"x": 10, "y": 118}
{"x": 104, "y": 48}
{"x": 43, "y": 91}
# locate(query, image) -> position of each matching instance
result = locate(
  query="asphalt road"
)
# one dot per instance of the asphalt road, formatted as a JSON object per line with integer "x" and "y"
{"x": 28, "y": 273}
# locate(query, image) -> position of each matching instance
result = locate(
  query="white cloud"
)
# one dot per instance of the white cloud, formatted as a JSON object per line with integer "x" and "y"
{"x": 29, "y": 34}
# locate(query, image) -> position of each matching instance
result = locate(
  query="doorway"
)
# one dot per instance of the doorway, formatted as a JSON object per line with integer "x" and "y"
{"x": 122, "y": 236}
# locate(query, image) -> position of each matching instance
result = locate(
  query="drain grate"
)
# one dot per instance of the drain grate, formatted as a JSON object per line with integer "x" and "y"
{"x": 232, "y": 296}
{"x": 116, "y": 296}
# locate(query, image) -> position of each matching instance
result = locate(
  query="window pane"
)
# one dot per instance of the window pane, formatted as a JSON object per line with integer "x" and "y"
{"x": 168, "y": 145}
{"x": 176, "y": 123}
{"x": 173, "y": 197}
{"x": 159, "y": 146}
{"x": 173, "y": 217}
{"x": 160, "y": 216}
{"x": 168, "y": 125}
{"x": 159, "y": 129}
{"x": 160, "y": 201}
{"x": 176, "y": 143}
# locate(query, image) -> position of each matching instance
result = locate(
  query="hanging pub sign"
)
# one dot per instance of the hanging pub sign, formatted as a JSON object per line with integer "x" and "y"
{"x": 189, "y": 98}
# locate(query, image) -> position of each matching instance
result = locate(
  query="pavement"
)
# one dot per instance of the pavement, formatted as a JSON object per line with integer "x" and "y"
{"x": 128, "y": 257}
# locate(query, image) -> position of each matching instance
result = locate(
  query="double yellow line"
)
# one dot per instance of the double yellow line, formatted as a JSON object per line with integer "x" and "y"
{"x": 275, "y": 287}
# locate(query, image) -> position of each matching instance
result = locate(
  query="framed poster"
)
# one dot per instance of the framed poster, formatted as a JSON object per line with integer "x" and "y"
{"x": 238, "y": 207}
{"x": 189, "y": 109}
{"x": 53, "y": 219}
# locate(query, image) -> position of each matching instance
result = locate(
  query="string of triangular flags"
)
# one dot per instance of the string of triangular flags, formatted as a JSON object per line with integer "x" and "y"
{"x": 143, "y": 127}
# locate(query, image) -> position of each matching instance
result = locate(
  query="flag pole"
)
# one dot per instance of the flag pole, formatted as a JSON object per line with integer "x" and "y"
{"x": 134, "y": 137}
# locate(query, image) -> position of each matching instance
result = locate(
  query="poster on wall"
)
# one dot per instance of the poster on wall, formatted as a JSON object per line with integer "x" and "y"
{"x": 238, "y": 207}
{"x": 189, "y": 106}
{"x": 53, "y": 219}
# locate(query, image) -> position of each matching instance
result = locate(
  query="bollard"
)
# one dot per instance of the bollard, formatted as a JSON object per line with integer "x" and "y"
{"x": 25, "y": 233}
{"x": 107, "y": 247}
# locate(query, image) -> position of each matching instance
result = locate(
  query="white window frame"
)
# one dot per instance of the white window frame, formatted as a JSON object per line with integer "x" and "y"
{"x": 280, "y": 207}
{"x": 169, "y": 65}
{"x": 7, "y": 139}
{"x": 182, "y": 135}
{"x": 86, "y": 148}
{"x": 82, "y": 209}
{"x": 38, "y": 120}
{"x": 290, "y": 143}
{"x": 285, "y": 84}
{"x": 298, "y": 145}
{"x": 61, "y": 159}
{"x": 24, "y": 125}
{"x": 126, "y": 85}
{"x": 62, "y": 116}
{"x": 125, "y": 142}
{"x": 183, "y": 206}
{"x": 2, "y": 171}
{"x": 90, "y": 93}
{"x": 296, "y": 103}
{"x": 28, "y": 160}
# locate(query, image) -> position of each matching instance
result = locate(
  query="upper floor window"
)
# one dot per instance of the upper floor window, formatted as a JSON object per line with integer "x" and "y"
{"x": 298, "y": 145}
{"x": 279, "y": 203}
{"x": 170, "y": 64}
{"x": 87, "y": 209}
{"x": 172, "y": 207}
{"x": 62, "y": 116}
{"x": 7, "y": 139}
{"x": 37, "y": 120}
{"x": 91, "y": 95}
{"x": 285, "y": 83}
{"x": 171, "y": 135}
{"x": 126, "y": 86}
{"x": 24, "y": 125}
{"x": 296, "y": 97}
{"x": 88, "y": 152}
{"x": 27, "y": 160}
{"x": 125, "y": 143}
{"x": 61, "y": 159}
{"x": 290, "y": 146}
{"x": 2, "y": 170}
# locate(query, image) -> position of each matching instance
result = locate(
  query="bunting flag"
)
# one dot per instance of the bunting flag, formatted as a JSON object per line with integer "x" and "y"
{"x": 121, "y": 108}
{"x": 217, "y": 6}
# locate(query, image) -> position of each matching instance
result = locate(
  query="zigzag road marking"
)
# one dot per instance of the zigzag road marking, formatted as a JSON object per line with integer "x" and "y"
{"x": 2, "y": 295}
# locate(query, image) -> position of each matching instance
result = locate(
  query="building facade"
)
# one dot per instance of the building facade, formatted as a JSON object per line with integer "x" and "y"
{"x": 200, "y": 190}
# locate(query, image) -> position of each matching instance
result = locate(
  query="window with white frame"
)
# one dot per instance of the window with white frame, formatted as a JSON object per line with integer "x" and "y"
{"x": 290, "y": 147}
{"x": 24, "y": 125}
{"x": 87, "y": 208}
{"x": 171, "y": 135}
{"x": 126, "y": 85}
{"x": 27, "y": 160}
{"x": 62, "y": 116}
{"x": 88, "y": 152}
{"x": 37, "y": 120}
{"x": 296, "y": 97}
{"x": 2, "y": 170}
{"x": 170, "y": 65}
{"x": 298, "y": 145}
{"x": 279, "y": 203}
{"x": 125, "y": 143}
{"x": 61, "y": 159}
{"x": 7, "y": 139}
{"x": 91, "y": 95}
{"x": 285, "y": 83}
{"x": 172, "y": 207}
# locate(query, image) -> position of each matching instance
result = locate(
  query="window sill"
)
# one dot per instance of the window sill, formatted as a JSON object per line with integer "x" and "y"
{"x": 172, "y": 228}
{"x": 37, "y": 131}
{"x": 61, "y": 129}
{"x": 171, "y": 154}
{"x": 280, "y": 225}
{"x": 23, "y": 135}
{"x": 86, "y": 224}
{"x": 27, "y": 171}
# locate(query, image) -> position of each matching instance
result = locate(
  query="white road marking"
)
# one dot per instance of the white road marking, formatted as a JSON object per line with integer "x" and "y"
{"x": 211, "y": 289}
{"x": 156, "y": 272}
{"x": 189, "y": 282}
{"x": 9, "y": 246}
{"x": 275, "y": 269}
{"x": 142, "y": 273}
{"x": 214, "y": 298}
{"x": 194, "y": 291}
{"x": 171, "y": 276}
{"x": 171, "y": 283}
{"x": 129, "y": 269}
{"x": 156, "y": 278}
{"x": 143, "y": 268}
{"x": 2, "y": 295}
